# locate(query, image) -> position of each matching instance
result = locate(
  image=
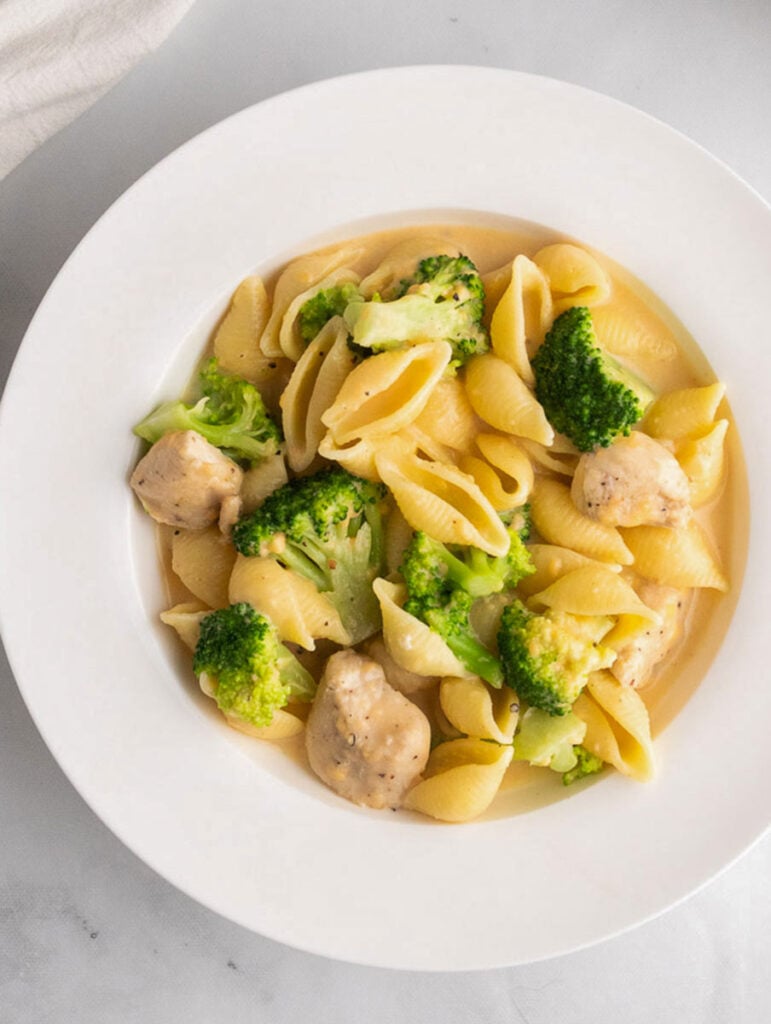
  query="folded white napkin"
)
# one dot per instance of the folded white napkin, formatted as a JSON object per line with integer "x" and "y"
{"x": 57, "y": 57}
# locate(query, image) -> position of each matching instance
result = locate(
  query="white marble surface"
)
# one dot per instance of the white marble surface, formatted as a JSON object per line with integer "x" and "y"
{"x": 87, "y": 932}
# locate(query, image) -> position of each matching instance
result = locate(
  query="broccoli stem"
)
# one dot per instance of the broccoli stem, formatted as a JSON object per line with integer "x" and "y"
{"x": 468, "y": 650}
{"x": 358, "y": 606}
{"x": 478, "y": 576}
{"x": 301, "y": 685}
{"x": 359, "y": 612}
{"x": 374, "y": 519}
{"x": 300, "y": 562}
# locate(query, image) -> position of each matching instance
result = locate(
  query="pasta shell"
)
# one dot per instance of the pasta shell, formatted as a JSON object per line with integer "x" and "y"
{"x": 447, "y": 415}
{"x": 358, "y": 457}
{"x": 289, "y": 339}
{"x": 186, "y": 618}
{"x": 207, "y": 685}
{"x": 488, "y": 481}
{"x": 574, "y": 275}
{"x": 297, "y": 277}
{"x": 411, "y": 644}
{"x": 627, "y": 627}
{"x": 617, "y": 726}
{"x": 472, "y": 708}
{"x": 522, "y": 316}
{"x": 512, "y": 466}
{"x": 418, "y": 440}
{"x": 702, "y": 460}
{"x": 386, "y": 391}
{"x": 552, "y": 458}
{"x": 237, "y": 340}
{"x": 442, "y": 500}
{"x": 686, "y": 413}
{"x": 421, "y": 690}
{"x": 313, "y": 387}
{"x": 459, "y": 752}
{"x": 558, "y": 521}
{"x": 552, "y": 562}
{"x": 462, "y": 778}
{"x": 283, "y": 725}
{"x": 623, "y": 334}
{"x": 593, "y": 590}
{"x": 495, "y": 282}
{"x": 500, "y": 397}
{"x": 299, "y": 612}
{"x": 203, "y": 560}
{"x": 676, "y": 558}
{"x": 261, "y": 480}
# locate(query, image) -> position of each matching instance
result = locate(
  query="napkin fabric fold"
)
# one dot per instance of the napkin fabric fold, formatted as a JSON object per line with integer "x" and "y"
{"x": 57, "y": 57}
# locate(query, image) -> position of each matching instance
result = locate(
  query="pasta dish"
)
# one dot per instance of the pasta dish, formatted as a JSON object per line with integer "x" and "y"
{"x": 444, "y": 511}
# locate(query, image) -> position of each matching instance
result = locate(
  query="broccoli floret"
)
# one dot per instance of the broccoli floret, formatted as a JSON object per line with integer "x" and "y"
{"x": 586, "y": 764}
{"x": 448, "y": 278}
{"x": 547, "y": 659}
{"x": 251, "y": 671}
{"x": 322, "y": 306}
{"x": 442, "y": 585}
{"x": 444, "y": 300}
{"x": 549, "y": 742}
{"x": 584, "y": 392}
{"x": 428, "y": 563}
{"x": 327, "y": 527}
{"x": 519, "y": 519}
{"x": 230, "y": 415}
{"x": 517, "y": 562}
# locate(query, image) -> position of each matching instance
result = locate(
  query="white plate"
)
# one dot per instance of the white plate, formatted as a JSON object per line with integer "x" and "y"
{"x": 231, "y": 822}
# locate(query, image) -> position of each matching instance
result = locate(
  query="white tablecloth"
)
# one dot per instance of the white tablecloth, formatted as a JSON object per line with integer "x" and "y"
{"x": 88, "y": 933}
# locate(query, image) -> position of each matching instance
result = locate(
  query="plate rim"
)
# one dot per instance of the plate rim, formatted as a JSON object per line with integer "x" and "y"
{"x": 18, "y": 370}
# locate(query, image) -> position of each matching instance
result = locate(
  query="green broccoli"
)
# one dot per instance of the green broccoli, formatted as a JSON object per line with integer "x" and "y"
{"x": 584, "y": 392}
{"x": 230, "y": 415}
{"x": 429, "y": 563}
{"x": 549, "y": 742}
{"x": 519, "y": 519}
{"x": 586, "y": 764}
{"x": 448, "y": 278}
{"x": 447, "y": 614}
{"x": 252, "y": 673}
{"x": 444, "y": 300}
{"x": 321, "y": 307}
{"x": 327, "y": 527}
{"x": 442, "y": 585}
{"x": 547, "y": 659}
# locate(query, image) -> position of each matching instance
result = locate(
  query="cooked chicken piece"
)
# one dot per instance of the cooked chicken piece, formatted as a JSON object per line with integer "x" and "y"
{"x": 365, "y": 740}
{"x": 401, "y": 679}
{"x": 183, "y": 480}
{"x": 633, "y": 482}
{"x": 637, "y": 659}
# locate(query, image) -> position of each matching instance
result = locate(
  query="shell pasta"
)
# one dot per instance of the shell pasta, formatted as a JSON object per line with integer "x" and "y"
{"x": 446, "y": 514}
{"x": 313, "y": 386}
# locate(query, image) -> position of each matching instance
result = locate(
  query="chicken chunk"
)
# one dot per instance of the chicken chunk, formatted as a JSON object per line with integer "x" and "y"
{"x": 637, "y": 659}
{"x": 364, "y": 739}
{"x": 183, "y": 480}
{"x": 633, "y": 482}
